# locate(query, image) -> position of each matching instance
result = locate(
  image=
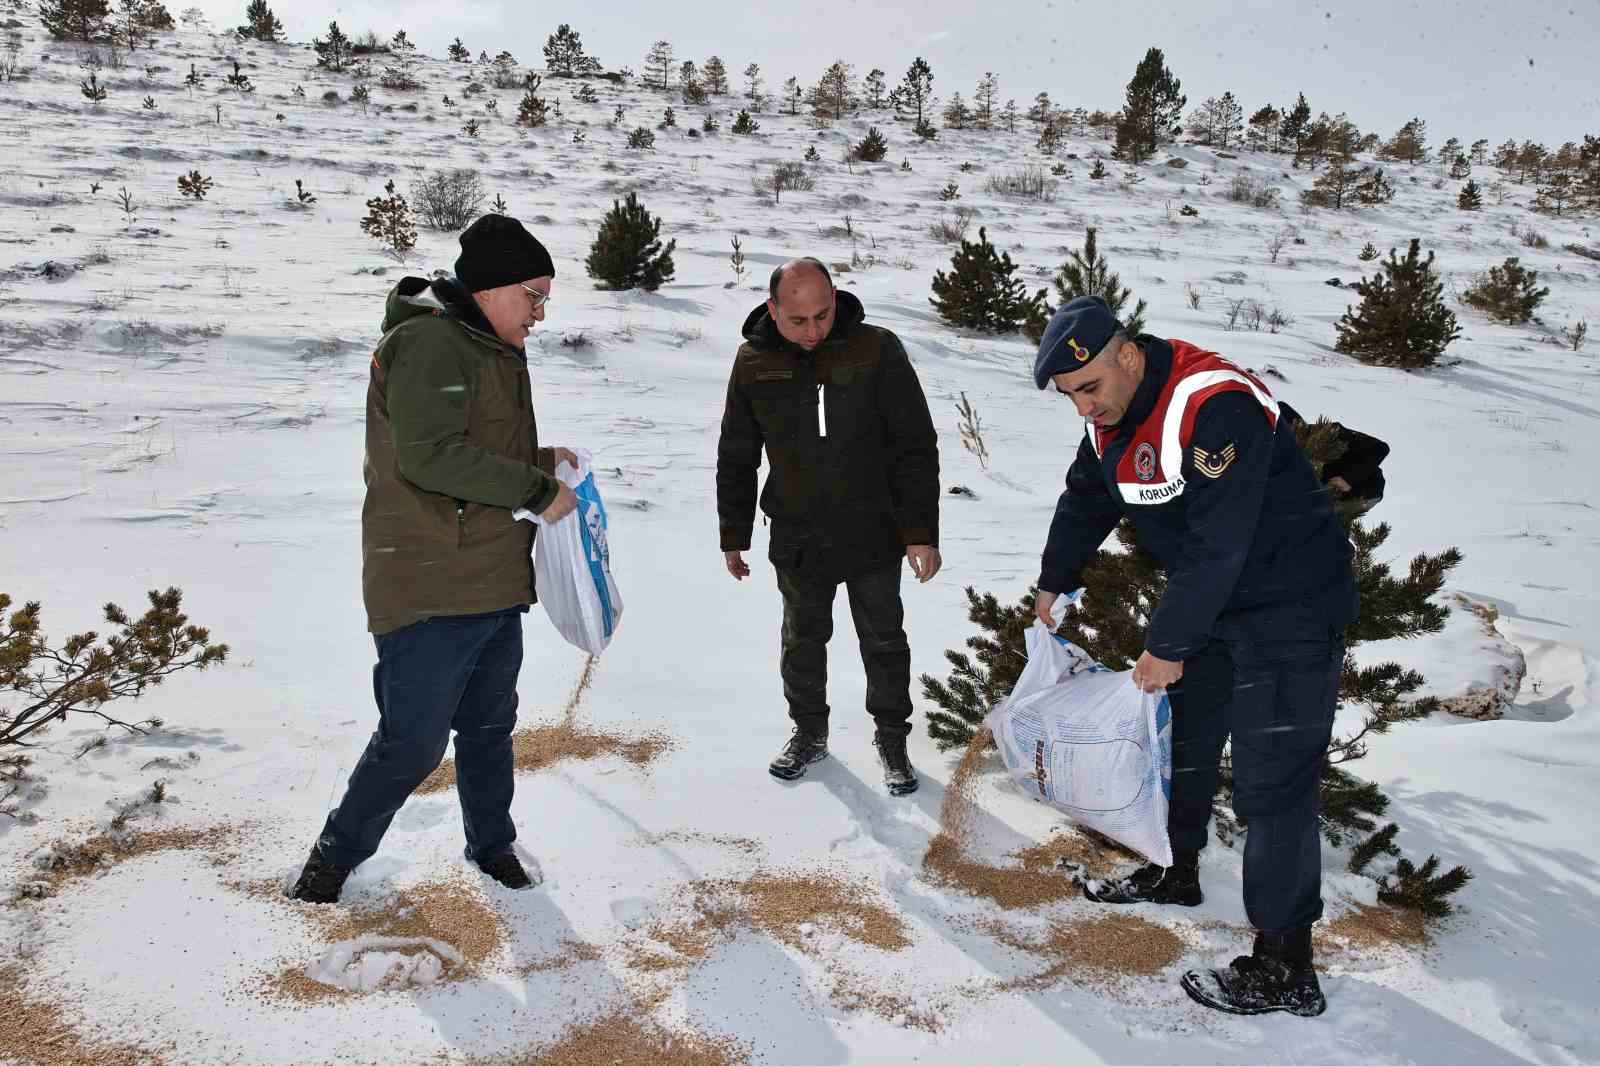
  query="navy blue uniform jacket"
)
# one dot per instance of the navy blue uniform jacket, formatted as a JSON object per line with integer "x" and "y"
{"x": 1224, "y": 499}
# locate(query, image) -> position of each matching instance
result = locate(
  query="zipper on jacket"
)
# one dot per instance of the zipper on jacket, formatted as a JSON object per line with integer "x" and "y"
{"x": 822, "y": 411}
{"x": 461, "y": 523}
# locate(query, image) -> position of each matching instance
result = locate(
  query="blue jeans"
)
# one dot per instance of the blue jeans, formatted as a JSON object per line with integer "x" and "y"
{"x": 456, "y": 672}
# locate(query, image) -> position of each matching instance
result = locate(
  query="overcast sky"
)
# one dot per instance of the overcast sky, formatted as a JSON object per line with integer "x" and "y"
{"x": 1470, "y": 68}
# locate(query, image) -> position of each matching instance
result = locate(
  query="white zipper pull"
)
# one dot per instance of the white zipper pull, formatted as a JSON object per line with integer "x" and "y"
{"x": 822, "y": 411}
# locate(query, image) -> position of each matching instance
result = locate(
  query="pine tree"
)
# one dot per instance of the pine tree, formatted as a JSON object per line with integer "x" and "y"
{"x": 1151, "y": 111}
{"x": 336, "y": 52}
{"x": 957, "y": 116}
{"x": 744, "y": 124}
{"x": 1449, "y": 150}
{"x": 1087, "y": 273}
{"x": 980, "y": 291}
{"x": 872, "y": 148}
{"x": 1505, "y": 157}
{"x": 1292, "y": 134}
{"x": 1408, "y": 145}
{"x": 1374, "y": 188}
{"x": 389, "y": 222}
{"x": 1336, "y": 187}
{"x": 92, "y": 90}
{"x": 1461, "y": 167}
{"x": 532, "y": 111}
{"x": 1507, "y": 292}
{"x": 1471, "y": 198}
{"x": 1008, "y": 116}
{"x": 458, "y": 52}
{"x": 714, "y": 75}
{"x": 1479, "y": 151}
{"x": 658, "y": 64}
{"x": 984, "y": 99}
{"x": 916, "y": 90}
{"x": 1230, "y": 122}
{"x": 261, "y": 23}
{"x": 564, "y": 56}
{"x": 75, "y": 20}
{"x": 1555, "y": 195}
{"x": 194, "y": 185}
{"x": 1263, "y": 135}
{"x": 1122, "y": 589}
{"x": 1042, "y": 112}
{"x": 1402, "y": 320}
{"x": 875, "y": 88}
{"x": 834, "y": 93}
{"x": 1531, "y": 159}
{"x": 627, "y": 252}
{"x": 792, "y": 94}
{"x": 752, "y": 81}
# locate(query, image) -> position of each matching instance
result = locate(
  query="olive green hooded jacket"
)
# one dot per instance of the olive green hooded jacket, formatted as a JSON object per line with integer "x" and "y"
{"x": 452, "y": 449}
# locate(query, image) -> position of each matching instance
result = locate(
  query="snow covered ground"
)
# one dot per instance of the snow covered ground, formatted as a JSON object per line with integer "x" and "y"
{"x": 183, "y": 403}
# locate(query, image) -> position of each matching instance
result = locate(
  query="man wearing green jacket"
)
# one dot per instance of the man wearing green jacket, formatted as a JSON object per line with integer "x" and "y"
{"x": 452, "y": 450}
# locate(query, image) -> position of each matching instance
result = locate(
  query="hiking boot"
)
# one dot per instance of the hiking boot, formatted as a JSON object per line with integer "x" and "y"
{"x": 801, "y": 751}
{"x": 1178, "y": 884}
{"x": 320, "y": 880}
{"x": 505, "y": 867}
{"x": 898, "y": 775}
{"x": 1276, "y": 976}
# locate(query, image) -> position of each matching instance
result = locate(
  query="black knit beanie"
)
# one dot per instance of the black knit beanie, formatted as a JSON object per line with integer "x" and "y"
{"x": 496, "y": 251}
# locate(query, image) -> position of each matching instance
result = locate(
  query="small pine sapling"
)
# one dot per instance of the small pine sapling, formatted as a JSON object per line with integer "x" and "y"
{"x": 194, "y": 185}
{"x": 389, "y": 222}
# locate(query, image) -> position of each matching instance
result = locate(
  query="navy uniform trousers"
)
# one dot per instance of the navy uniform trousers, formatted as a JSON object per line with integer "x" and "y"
{"x": 1270, "y": 683}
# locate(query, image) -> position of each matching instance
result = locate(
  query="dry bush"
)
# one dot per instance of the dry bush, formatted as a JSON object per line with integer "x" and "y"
{"x": 449, "y": 199}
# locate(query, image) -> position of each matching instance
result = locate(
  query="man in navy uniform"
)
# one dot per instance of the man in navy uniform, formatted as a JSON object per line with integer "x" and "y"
{"x": 1247, "y": 638}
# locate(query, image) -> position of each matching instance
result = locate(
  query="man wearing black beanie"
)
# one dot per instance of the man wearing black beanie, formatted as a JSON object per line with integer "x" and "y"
{"x": 452, "y": 450}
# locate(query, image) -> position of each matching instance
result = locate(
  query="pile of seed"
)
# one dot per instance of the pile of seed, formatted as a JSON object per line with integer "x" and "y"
{"x": 453, "y": 911}
{"x": 572, "y": 952}
{"x": 1114, "y": 946}
{"x": 33, "y": 1033}
{"x": 69, "y": 862}
{"x": 622, "y": 1038}
{"x": 1376, "y": 925}
{"x": 540, "y": 746}
{"x": 1094, "y": 854}
{"x": 947, "y": 862}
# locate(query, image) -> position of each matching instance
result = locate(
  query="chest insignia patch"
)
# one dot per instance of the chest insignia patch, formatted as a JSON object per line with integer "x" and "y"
{"x": 1144, "y": 462}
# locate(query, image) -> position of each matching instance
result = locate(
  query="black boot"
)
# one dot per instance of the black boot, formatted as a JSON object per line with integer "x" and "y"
{"x": 505, "y": 867}
{"x": 803, "y": 749}
{"x": 1277, "y": 975}
{"x": 320, "y": 880}
{"x": 1178, "y": 884}
{"x": 899, "y": 777}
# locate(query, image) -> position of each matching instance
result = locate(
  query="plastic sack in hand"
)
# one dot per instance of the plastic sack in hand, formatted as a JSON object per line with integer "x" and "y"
{"x": 1085, "y": 740}
{"x": 572, "y": 565}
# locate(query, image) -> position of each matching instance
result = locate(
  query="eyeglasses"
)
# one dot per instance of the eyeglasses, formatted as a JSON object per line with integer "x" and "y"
{"x": 535, "y": 297}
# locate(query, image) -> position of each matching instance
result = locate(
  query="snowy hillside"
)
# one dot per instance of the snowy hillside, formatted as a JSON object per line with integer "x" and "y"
{"x": 182, "y": 392}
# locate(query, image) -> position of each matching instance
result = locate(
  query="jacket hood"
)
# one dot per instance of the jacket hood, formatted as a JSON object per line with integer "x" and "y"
{"x": 419, "y": 296}
{"x": 759, "y": 328}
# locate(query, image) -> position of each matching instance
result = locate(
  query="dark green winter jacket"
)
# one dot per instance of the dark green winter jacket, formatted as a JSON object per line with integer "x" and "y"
{"x": 845, "y": 496}
{"x": 452, "y": 450}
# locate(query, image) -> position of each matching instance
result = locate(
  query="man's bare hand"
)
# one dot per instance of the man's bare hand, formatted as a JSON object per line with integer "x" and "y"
{"x": 1339, "y": 485}
{"x": 736, "y": 565}
{"x": 1042, "y": 604}
{"x": 1152, "y": 674}
{"x": 565, "y": 503}
{"x": 924, "y": 560}
{"x": 565, "y": 455}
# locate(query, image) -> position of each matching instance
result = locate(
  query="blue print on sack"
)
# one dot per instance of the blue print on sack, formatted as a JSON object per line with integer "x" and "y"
{"x": 596, "y": 548}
